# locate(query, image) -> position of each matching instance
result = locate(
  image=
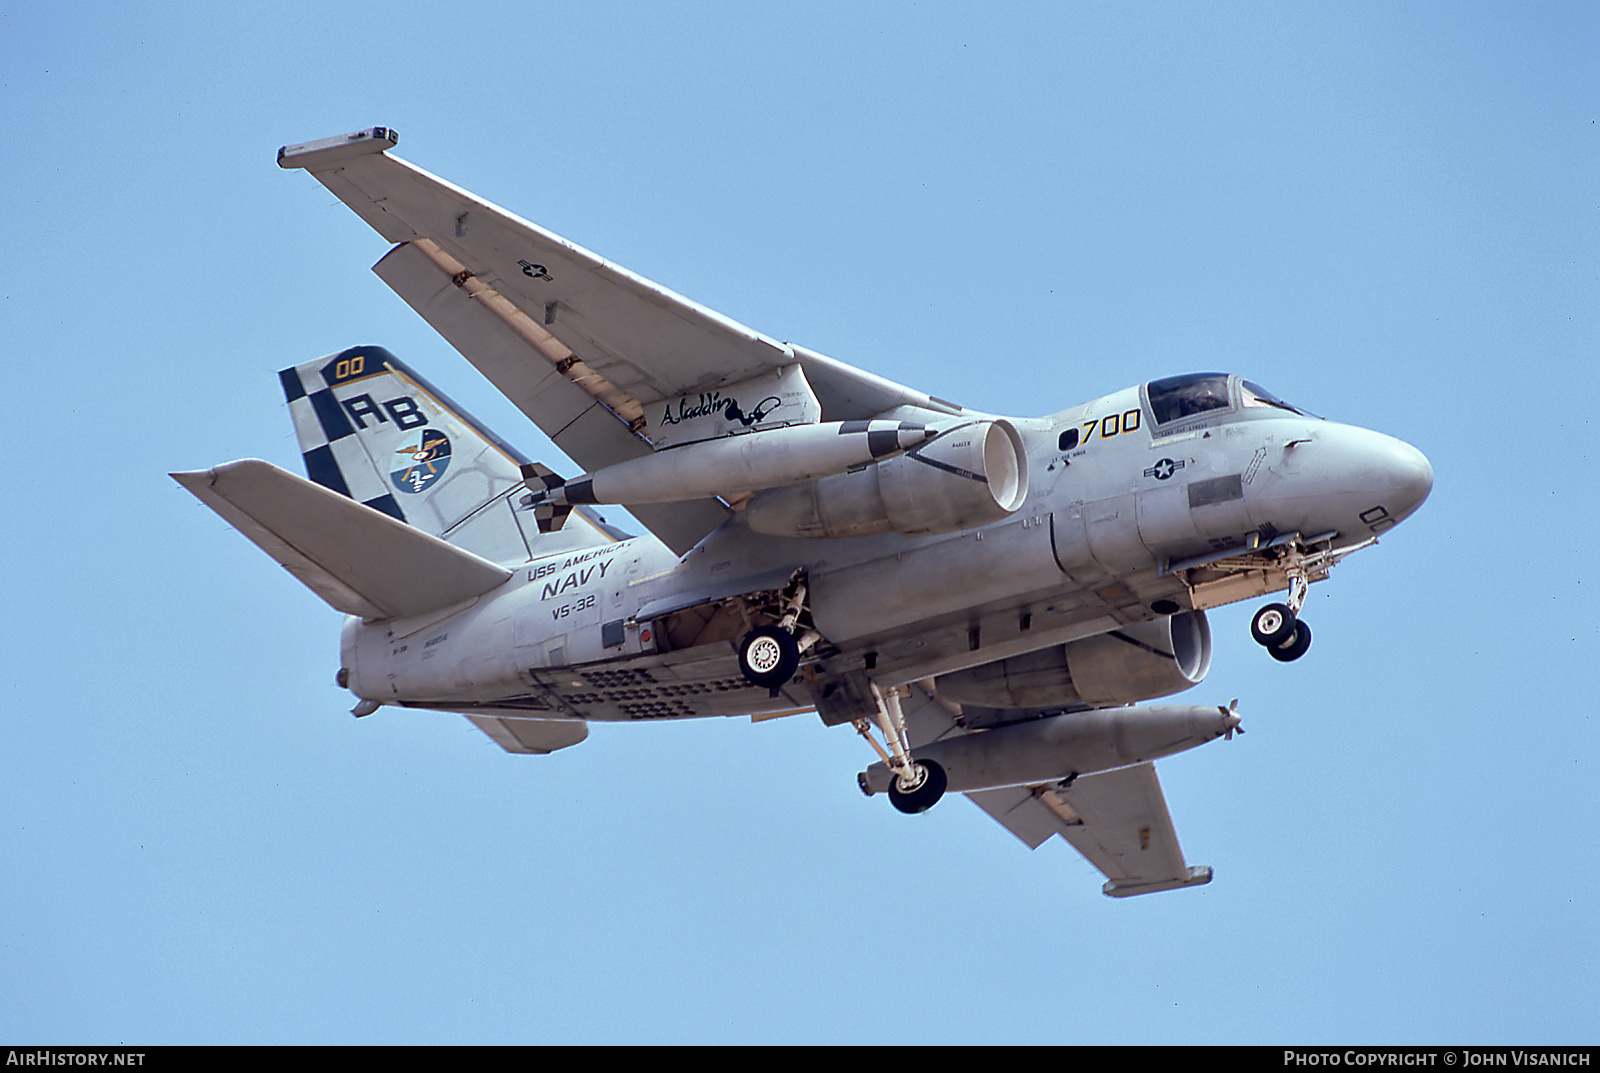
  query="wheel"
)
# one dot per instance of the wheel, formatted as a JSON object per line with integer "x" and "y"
{"x": 1295, "y": 647}
{"x": 931, "y": 781}
{"x": 1272, "y": 625}
{"x": 768, "y": 656}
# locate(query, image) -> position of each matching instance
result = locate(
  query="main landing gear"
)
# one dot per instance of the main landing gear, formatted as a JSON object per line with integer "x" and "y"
{"x": 921, "y": 791}
{"x": 914, "y": 785}
{"x": 1277, "y": 627}
{"x": 769, "y": 655}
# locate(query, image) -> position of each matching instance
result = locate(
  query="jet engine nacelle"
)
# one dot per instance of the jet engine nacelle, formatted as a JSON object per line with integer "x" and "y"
{"x": 969, "y": 476}
{"x": 1134, "y": 663}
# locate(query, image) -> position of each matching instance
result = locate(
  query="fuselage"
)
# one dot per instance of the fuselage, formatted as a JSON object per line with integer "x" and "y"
{"x": 1125, "y": 494}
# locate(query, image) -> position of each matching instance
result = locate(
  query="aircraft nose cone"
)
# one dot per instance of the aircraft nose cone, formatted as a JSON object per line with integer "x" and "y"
{"x": 1410, "y": 477}
{"x": 1341, "y": 478}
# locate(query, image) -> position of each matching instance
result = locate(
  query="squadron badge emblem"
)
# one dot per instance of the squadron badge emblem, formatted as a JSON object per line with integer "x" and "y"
{"x": 417, "y": 466}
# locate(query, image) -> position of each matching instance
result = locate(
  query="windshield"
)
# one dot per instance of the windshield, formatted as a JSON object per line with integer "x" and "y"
{"x": 1256, "y": 395}
{"x": 1184, "y": 396}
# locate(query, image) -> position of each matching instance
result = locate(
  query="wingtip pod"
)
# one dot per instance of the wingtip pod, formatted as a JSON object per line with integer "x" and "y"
{"x": 313, "y": 156}
{"x": 1199, "y": 875}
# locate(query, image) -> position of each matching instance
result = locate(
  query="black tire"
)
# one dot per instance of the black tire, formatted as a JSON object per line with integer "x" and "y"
{"x": 925, "y": 794}
{"x": 1272, "y": 625}
{"x": 1295, "y": 647}
{"x": 768, "y": 656}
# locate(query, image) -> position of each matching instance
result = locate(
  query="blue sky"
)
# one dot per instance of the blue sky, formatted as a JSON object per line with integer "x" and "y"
{"x": 1386, "y": 213}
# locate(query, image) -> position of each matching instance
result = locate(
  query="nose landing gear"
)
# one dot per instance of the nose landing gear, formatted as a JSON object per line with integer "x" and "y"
{"x": 1272, "y": 625}
{"x": 1294, "y": 646}
{"x": 1277, "y": 627}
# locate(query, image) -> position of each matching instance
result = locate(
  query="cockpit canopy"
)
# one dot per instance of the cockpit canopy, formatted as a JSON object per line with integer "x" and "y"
{"x": 1178, "y": 397}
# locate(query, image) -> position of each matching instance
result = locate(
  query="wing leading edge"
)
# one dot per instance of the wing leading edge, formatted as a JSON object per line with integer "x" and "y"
{"x": 581, "y": 345}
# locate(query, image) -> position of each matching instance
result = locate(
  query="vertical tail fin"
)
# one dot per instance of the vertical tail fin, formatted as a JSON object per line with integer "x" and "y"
{"x": 374, "y": 430}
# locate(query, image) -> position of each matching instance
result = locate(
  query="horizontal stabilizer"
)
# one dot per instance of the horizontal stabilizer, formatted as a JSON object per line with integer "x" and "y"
{"x": 538, "y": 737}
{"x": 360, "y": 560}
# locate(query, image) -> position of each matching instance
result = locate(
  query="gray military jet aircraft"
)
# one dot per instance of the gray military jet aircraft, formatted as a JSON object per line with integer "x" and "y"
{"x": 992, "y": 595}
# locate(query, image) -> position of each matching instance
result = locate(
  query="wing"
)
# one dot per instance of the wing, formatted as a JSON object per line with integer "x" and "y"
{"x": 1117, "y": 819}
{"x": 581, "y": 345}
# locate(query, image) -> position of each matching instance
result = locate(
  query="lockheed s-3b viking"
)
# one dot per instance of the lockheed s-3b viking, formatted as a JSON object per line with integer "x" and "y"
{"x": 995, "y": 598}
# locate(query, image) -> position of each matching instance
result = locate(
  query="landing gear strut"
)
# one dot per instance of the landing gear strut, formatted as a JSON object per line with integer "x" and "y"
{"x": 914, "y": 785}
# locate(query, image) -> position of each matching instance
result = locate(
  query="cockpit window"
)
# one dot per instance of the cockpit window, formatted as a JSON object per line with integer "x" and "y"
{"x": 1184, "y": 396}
{"x": 1256, "y": 395}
